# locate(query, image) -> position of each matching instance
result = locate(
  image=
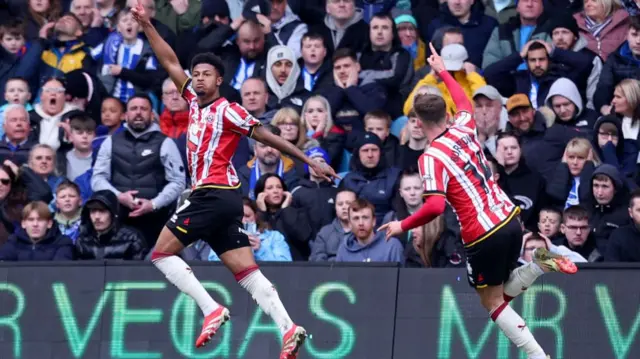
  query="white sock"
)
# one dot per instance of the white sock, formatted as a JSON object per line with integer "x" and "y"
{"x": 514, "y": 327}
{"x": 265, "y": 294}
{"x": 181, "y": 275}
{"x": 520, "y": 279}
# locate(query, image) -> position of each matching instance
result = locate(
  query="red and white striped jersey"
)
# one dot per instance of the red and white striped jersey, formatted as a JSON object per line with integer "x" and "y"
{"x": 212, "y": 139}
{"x": 455, "y": 166}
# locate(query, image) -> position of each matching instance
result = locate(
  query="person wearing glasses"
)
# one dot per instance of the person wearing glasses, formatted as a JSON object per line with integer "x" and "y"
{"x": 576, "y": 230}
{"x": 47, "y": 116}
{"x": 174, "y": 119}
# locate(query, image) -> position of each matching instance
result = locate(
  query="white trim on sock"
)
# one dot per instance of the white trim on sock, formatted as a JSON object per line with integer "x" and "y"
{"x": 265, "y": 294}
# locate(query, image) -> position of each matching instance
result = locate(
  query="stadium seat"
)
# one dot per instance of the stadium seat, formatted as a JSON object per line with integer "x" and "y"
{"x": 397, "y": 125}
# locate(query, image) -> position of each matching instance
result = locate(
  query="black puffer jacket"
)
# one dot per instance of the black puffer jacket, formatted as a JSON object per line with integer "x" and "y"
{"x": 318, "y": 200}
{"x": 118, "y": 242}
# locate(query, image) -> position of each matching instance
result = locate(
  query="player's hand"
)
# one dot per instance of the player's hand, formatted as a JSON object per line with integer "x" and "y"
{"x": 254, "y": 240}
{"x": 288, "y": 198}
{"x": 323, "y": 170}
{"x": 144, "y": 206}
{"x": 392, "y": 228}
{"x": 435, "y": 61}
{"x": 127, "y": 199}
{"x": 140, "y": 14}
{"x": 260, "y": 202}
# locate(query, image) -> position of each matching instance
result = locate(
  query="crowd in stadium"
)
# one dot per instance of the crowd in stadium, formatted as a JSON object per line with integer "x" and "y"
{"x": 93, "y": 159}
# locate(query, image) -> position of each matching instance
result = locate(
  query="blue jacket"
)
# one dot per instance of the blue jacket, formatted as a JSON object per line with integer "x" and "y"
{"x": 378, "y": 250}
{"x": 25, "y": 66}
{"x": 273, "y": 248}
{"x": 54, "y": 246}
{"x": 379, "y": 189}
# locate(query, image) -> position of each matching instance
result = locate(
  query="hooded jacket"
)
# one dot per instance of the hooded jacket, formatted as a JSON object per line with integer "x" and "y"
{"x": 377, "y": 250}
{"x": 288, "y": 31}
{"x": 117, "y": 242}
{"x": 54, "y": 246}
{"x": 616, "y": 155}
{"x": 559, "y": 185}
{"x": 605, "y": 218}
{"x": 354, "y": 35}
{"x": 45, "y": 129}
{"x": 325, "y": 246}
{"x": 318, "y": 199}
{"x": 624, "y": 244}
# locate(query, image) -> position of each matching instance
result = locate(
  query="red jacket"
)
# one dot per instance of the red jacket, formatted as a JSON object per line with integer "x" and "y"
{"x": 174, "y": 124}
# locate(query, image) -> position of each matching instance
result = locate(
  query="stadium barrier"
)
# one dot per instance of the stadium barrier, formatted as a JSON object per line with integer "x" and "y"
{"x": 128, "y": 310}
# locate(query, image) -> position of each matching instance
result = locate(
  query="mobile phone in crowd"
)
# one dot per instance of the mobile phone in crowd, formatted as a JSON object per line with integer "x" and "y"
{"x": 251, "y": 228}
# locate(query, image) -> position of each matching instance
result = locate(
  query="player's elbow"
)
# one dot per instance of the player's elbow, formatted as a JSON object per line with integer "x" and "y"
{"x": 438, "y": 204}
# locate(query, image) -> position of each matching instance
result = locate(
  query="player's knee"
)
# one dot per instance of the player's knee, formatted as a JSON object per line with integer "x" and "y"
{"x": 168, "y": 242}
{"x": 491, "y": 299}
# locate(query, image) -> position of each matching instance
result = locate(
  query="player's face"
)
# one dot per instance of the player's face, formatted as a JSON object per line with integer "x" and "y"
{"x": 275, "y": 192}
{"x": 411, "y": 190}
{"x": 634, "y": 212}
{"x": 563, "y": 108}
{"x": 52, "y": 98}
{"x": 377, "y": 126}
{"x": 35, "y": 226}
{"x": 369, "y": 155}
{"x": 362, "y": 223}
{"x": 603, "y": 191}
{"x": 549, "y": 223}
{"x": 100, "y": 218}
{"x": 343, "y": 201}
{"x": 530, "y": 246}
{"x": 509, "y": 148}
{"x": 563, "y": 38}
{"x": 206, "y": 79}
{"x": 576, "y": 231}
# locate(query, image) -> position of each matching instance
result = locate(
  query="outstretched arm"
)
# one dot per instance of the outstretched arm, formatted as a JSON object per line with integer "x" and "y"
{"x": 165, "y": 55}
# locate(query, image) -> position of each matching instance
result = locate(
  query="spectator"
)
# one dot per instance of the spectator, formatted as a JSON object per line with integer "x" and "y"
{"x": 274, "y": 206}
{"x": 48, "y": 114}
{"x": 78, "y": 160}
{"x": 626, "y": 104}
{"x": 17, "y": 60}
{"x": 174, "y": 119}
{"x": 328, "y": 240}
{"x": 128, "y": 64}
{"x": 438, "y": 242}
{"x": 544, "y": 66}
{"x": 610, "y": 148}
{"x": 475, "y": 25}
{"x": 93, "y": 24}
{"x": 549, "y": 220}
{"x": 528, "y": 124}
{"x": 409, "y": 37}
{"x": 532, "y": 241}
{"x": 577, "y": 166}
{"x": 342, "y": 27}
{"x": 293, "y": 129}
{"x": 39, "y": 14}
{"x": 576, "y": 230}
{"x": 68, "y": 205}
{"x": 385, "y": 60}
{"x": 379, "y": 123}
{"x": 416, "y": 144}
{"x": 566, "y": 36}
{"x": 620, "y": 65}
{"x": 466, "y": 74}
{"x": 604, "y": 24}
{"x": 315, "y": 195}
{"x": 108, "y": 10}
{"x": 247, "y": 57}
{"x": 85, "y": 91}
{"x": 67, "y": 52}
{"x": 85, "y": 10}
{"x": 316, "y": 67}
{"x": 286, "y": 27}
{"x": 491, "y": 116}
{"x": 363, "y": 243}
{"x": 286, "y": 87}
{"x": 16, "y": 92}
{"x": 177, "y": 16}
{"x": 159, "y": 21}
{"x": 316, "y": 115}
{"x": 267, "y": 244}
{"x": 103, "y": 236}
{"x": 608, "y": 208}
{"x": 255, "y": 96}
{"x": 112, "y": 117}
{"x": 143, "y": 168}
{"x": 266, "y": 160}
{"x": 42, "y": 161}
{"x": 370, "y": 177}
{"x": 16, "y": 143}
{"x": 38, "y": 239}
{"x": 8, "y": 207}
{"x": 512, "y": 36}
{"x": 351, "y": 97}
{"x": 624, "y": 242}
{"x": 524, "y": 186}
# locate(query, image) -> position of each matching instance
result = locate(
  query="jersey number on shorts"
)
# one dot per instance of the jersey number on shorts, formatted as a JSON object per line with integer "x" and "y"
{"x": 184, "y": 205}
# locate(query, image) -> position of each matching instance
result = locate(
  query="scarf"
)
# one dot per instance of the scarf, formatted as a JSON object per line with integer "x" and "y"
{"x": 110, "y": 48}
{"x": 278, "y": 53}
{"x": 595, "y": 28}
{"x": 256, "y": 173}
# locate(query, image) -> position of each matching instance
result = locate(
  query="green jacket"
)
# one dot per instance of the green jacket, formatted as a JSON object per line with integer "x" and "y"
{"x": 178, "y": 23}
{"x": 505, "y": 39}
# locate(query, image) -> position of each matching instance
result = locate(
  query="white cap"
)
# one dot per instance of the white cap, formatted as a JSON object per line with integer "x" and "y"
{"x": 454, "y": 55}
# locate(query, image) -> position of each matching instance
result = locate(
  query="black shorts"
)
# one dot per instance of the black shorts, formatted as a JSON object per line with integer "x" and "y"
{"x": 491, "y": 261}
{"x": 213, "y": 215}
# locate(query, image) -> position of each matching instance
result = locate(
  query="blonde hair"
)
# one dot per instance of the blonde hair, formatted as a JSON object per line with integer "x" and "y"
{"x": 327, "y": 108}
{"x": 609, "y": 6}
{"x": 287, "y": 113}
{"x": 582, "y": 147}
{"x": 630, "y": 89}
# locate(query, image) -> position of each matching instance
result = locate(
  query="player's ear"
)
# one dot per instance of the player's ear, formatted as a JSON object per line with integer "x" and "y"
{"x": 219, "y": 81}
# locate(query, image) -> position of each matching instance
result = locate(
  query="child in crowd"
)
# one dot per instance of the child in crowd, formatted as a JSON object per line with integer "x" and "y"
{"x": 549, "y": 221}
{"x": 112, "y": 117}
{"x": 16, "y": 91}
{"x": 68, "y": 204}
{"x": 128, "y": 62}
{"x": 17, "y": 59}
{"x": 82, "y": 132}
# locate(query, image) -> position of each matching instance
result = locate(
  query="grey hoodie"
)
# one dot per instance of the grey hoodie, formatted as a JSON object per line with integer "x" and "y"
{"x": 338, "y": 33}
{"x": 378, "y": 250}
{"x": 567, "y": 89}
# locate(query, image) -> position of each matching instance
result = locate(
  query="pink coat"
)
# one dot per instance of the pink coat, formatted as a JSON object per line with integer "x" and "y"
{"x": 610, "y": 38}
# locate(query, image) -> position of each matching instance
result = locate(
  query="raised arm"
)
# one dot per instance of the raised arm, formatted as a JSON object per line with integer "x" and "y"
{"x": 165, "y": 55}
{"x": 458, "y": 96}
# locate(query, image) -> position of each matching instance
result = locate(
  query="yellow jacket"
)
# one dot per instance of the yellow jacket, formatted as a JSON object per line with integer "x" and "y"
{"x": 469, "y": 82}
